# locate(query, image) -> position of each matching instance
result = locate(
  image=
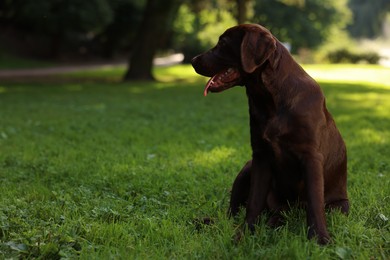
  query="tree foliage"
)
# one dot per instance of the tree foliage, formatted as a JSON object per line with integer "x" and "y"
{"x": 60, "y": 19}
{"x": 303, "y": 23}
{"x": 71, "y": 15}
{"x": 198, "y": 26}
{"x": 109, "y": 28}
{"x": 121, "y": 31}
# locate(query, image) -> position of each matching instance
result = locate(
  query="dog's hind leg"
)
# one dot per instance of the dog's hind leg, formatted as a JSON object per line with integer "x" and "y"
{"x": 240, "y": 191}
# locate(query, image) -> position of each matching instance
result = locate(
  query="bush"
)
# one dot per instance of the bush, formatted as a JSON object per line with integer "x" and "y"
{"x": 344, "y": 55}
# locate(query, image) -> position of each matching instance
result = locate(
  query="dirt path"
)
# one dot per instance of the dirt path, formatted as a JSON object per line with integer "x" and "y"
{"x": 39, "y": 72}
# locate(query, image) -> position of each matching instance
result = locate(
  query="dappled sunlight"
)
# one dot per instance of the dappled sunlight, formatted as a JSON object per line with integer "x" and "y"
{"x": 369, "y": 102}
{"x": 144, "y": 87}
{"x": 136, "y": 90}
{"x": 3, "y": 90}
{"x": 181, "y": 70}
{"x": 175, "y": 79}
{"x": 213, "y": 157}
{"x": 372, "y": 99}
{"x": 360, "y": 97}
{"x": 175, "y": 83}
{"x": 370, "y": 136}
{"x": 182, "y": 73}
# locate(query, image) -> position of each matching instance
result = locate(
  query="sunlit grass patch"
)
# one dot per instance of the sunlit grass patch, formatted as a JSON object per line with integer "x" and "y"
{"x": 108, "y": 71}
{"x": 180, "y": 72}
{"x": 217, "y": 155}
{"x": 347, "y": 73}
{"x": 177, "y": 73}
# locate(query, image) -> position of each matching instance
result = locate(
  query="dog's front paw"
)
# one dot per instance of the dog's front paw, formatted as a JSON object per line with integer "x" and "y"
{"x": 323, "y": 238}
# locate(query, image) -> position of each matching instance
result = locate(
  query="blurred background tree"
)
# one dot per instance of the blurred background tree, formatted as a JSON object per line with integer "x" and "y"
{"x": 141, "y": 29}
{"x": 302, "y": 23}
{"x": 152, "y": 34}
{"x": 57, "y": 20}
{"x": 199, "y": 24}
{"x": 120, "y": 32}
{"x": 368, "y": 17}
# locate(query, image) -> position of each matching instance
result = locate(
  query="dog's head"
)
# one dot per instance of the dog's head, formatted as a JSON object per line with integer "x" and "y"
{"x": 240, "y": 50}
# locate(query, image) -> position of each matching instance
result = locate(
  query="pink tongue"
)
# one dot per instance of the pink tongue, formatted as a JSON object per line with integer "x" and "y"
{"x": 208, "y": 85}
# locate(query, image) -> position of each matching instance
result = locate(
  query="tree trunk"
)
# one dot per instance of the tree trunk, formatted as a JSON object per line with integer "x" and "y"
{"x": 241, "y": 11}
{"x": 156, "y": 23}
{"x": 56, "y": 44}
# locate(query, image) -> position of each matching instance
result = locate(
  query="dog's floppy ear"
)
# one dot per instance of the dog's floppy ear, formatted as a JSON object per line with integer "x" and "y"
{"x": 256, "y": 47}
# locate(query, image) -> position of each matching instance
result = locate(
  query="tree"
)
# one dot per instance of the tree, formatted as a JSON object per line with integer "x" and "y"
{"x": 368, "y": 17}
{"x": 157, "y": 22}
{"x": 199, "y": 23}
{"x": 242, "y": 10}
{"x": 303, "y": 23}
{"x": 127, "y": 16}
{"x": 60, "y": 19}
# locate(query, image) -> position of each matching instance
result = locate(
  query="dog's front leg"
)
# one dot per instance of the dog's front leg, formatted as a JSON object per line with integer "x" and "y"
{"x": 240, "y": 190}
{"x": 259, "y": 187}
{"x": 314, "y": 182}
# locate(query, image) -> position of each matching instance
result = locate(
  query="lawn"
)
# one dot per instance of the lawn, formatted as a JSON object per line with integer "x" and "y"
{"x": 98, "y": 169}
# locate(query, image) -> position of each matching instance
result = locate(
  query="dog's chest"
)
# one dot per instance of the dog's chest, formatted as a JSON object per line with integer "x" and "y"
{"x": 271, "y": 126}
{"x": 279, "y": 138}
{"x": 275, "y": 130}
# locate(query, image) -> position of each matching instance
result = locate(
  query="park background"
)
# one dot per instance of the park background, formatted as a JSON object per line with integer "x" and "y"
{"x": 109, "y": 151}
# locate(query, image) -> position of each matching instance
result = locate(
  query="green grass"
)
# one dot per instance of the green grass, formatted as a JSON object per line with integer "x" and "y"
{"x": 103, "y": 170}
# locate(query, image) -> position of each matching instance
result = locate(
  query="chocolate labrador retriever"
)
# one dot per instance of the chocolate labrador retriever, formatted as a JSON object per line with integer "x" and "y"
{"x": 298, "y": 154}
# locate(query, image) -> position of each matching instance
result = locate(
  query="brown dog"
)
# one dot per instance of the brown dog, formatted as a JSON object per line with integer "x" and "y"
{"x": 298, "y": 153}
